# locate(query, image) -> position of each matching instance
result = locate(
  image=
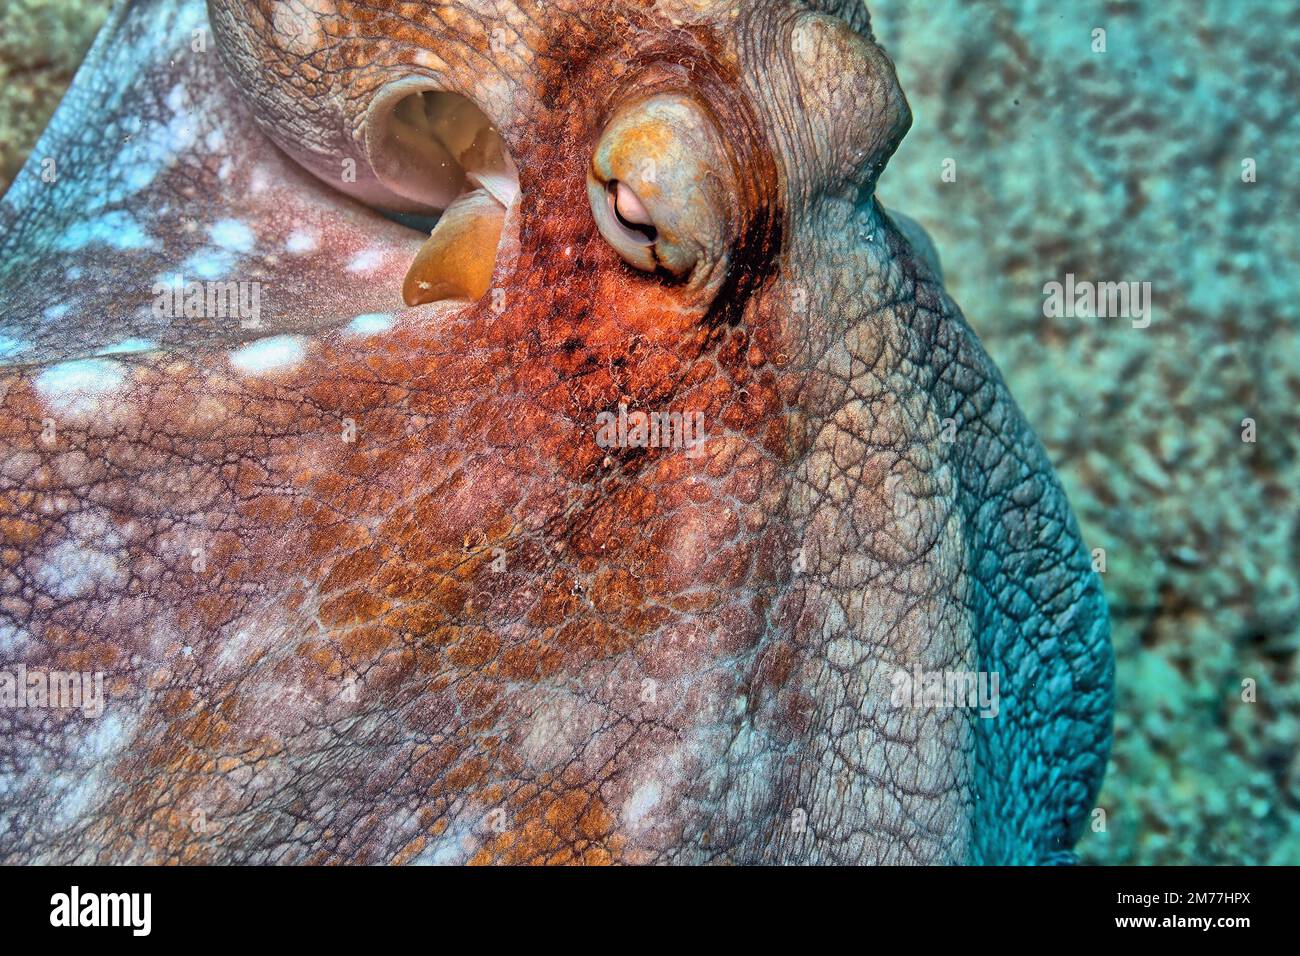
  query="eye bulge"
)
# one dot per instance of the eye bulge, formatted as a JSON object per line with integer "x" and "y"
{"x": 661, "y": 189}
{"x": 681, "y": 180}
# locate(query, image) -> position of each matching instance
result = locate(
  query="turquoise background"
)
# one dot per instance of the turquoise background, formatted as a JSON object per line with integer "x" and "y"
{"x": 1127, "y": 166}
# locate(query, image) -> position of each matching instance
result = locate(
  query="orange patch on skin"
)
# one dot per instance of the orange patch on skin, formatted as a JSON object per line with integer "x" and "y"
{"x": 529, "y": 662}
{"x": 354, "y": 607}
{"x": 549, "y": 827}
{"x": 644, "y": 140}
{"x": 419, "y": 621}
{"x": 474, "y": 649}
{"x": 409, "y": 852}
{"x": 204, "y": 730}
{"x": 17, "y": 533}
{"x": 585, "y": 640}
{"x": 269, "y": 510}
{"x": 360, "y": 645}
{"x": 173, "y": 703}
{"x": 73, "y": 649}
{"x": 467, "y": 774}
{"x": 354, "y": 567}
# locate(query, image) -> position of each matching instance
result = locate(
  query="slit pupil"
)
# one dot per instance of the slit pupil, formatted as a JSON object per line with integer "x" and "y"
{"x": 645, "y": 230}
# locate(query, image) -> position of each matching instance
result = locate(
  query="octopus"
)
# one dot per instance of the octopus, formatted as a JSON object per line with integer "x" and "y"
{"x": 515, "y": 432}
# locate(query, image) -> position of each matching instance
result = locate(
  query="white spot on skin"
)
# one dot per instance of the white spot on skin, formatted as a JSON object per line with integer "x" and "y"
{"x": 177, "y": 99}
{"x": 237, "y": 647}
{"x": 555, "y": 728}
{"x": 155, "y": 147}
{"x": 641, "y": 803}
{"x": 300, "y": 241}
{"x": 372, "y": 323}
{"x": 453, "y": 848}
{"x": 80, "y": 387}
{"x": 117, "y": 229}
{"x": 12, "y": 346}
{"x": 76, "y": 566}
{"x": 233, "y": 235}
{"x": 269, "y": 355}
{"x": 11, "y": 639}
{"x": 127, "y": 346}
{"x": 107, "y": 739}
{"x": 803, "y": 43}
{"x": 258, "y": 180}
{"x": 365, "y": 261}
{"x": 208, "y": 264}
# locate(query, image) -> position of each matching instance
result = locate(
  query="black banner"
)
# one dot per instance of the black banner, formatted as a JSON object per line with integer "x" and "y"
{"x": 336, "y": 905}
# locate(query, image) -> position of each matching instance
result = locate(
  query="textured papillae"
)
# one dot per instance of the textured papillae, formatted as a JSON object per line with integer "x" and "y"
{"x": 364, "y": 584}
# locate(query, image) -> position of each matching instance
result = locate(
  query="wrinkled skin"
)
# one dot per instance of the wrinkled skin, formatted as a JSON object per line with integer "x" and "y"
{"x": 469, "y": 633}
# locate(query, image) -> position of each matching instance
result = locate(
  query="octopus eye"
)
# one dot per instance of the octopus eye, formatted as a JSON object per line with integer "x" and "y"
{"x": 630, "y": 213}
{"x": 660, "y": 188}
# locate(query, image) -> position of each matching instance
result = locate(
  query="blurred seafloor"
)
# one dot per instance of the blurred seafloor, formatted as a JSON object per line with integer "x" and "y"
{"x": 1116, "y": 166}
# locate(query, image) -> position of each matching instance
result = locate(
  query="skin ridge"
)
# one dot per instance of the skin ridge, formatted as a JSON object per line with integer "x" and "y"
{"x": 1070, "y": 761}
{"x": 680, "y": 659}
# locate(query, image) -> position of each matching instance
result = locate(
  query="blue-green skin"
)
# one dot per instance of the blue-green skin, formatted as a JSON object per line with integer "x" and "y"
{"x": 969, "y": 560}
